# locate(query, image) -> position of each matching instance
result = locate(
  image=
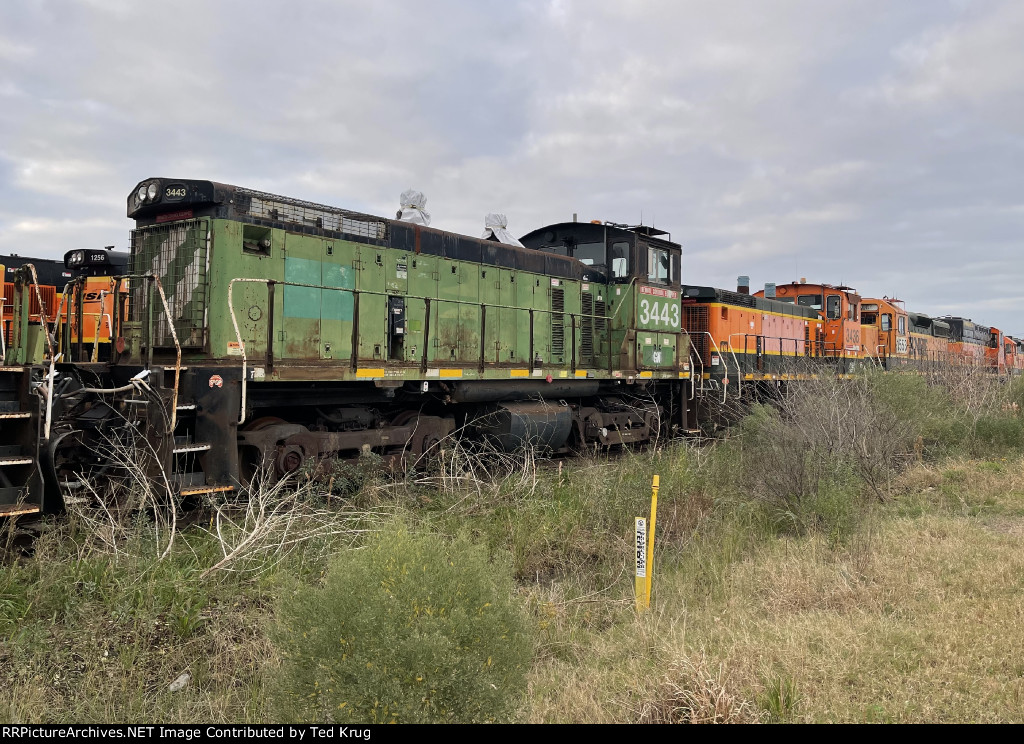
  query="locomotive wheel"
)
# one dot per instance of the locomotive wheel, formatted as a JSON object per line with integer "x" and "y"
{"x": 431, "y": 456}
{"x": 288, "y": 460}
{"x": 79, "y": 468}
{"x": 404, "y": 417}
{"x": 250, "y": 460}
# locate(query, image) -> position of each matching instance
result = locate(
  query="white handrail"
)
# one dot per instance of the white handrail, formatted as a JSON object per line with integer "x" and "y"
{"x": 238, "y": 335}
{"x": 689, "y": 359}
{"x": 177, "y": 349}
{"x": 739, "y": 372}
{"x": 693, "y": 390}
{"x": 52, "y": 374}
{"x": 722, "y": 358}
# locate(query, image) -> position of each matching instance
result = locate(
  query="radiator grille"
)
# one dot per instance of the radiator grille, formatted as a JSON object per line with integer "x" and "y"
{"x": 48, "y": 292}
{"x": 695, "y": 322}
{"x": 601, "y": 311}
{"x": 587, "y": 326}
{"x": 558, "y": 321}
{"x": 177, "y": 254}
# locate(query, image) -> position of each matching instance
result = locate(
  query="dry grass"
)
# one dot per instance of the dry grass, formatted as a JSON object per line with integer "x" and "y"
{"x": 693, "y": 692}
{"x": 916, "y": 617}
{"x": 926, "y": 630}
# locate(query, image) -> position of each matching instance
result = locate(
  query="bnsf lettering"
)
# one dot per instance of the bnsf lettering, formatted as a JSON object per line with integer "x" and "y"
{"x": 92, "y": 297}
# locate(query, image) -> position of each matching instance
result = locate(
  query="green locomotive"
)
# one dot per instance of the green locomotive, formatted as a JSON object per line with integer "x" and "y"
{"x": 265, "y": 331}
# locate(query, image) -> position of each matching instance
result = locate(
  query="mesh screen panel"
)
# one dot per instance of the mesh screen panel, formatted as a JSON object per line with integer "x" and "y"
{"x": 177, "y": 254}
{"x": 281, "y": 209}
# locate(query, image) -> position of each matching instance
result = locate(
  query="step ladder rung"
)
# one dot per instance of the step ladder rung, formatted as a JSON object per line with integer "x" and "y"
{"x": 206, "y": 489}
{"x": 182, "y": 448}
{"x": 16, "y": 415}
{"x": 16, "y": 510}
{"x": 12, "y": 369}
{"x": 187, "y": 407}
{"x": 14, "y": 460}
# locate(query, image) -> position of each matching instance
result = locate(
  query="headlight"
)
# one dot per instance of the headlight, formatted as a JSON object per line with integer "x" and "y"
{"x": 76, "y": 258}
{"x": 151, "y": 191}
{"x": 142, "y": 194}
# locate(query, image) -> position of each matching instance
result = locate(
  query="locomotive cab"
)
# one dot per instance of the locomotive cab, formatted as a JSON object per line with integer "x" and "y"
{"x": 638, "y": 307}
{"x": 995, "y": 354}
{"x": 884, "y": 328}
{"x": 839, "y": 307}
{"x": 613, "y": 253}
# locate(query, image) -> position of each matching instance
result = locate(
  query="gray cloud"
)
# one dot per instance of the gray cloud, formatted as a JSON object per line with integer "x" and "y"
{"x": 873, "y": 143}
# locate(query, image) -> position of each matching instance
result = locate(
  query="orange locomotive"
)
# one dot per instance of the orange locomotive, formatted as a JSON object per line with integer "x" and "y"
{"x": 92, "y": 299}
{"x": 50, "y": 276}
{"x": 738, "y": 338}
{"x": 968, "y": 342}
{"x": 929, "y": 342}
{"x": 839, "y": 309}
{"x": 49, "y": 306}
{"x": 1014, "y": 350}
{"x": 995, "y": 352}
{"x": 885, "y": 332}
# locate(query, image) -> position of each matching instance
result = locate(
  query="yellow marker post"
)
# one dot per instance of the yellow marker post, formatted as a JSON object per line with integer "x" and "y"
{"x": 650, "y": 539}
{"x": 640, "y": 524}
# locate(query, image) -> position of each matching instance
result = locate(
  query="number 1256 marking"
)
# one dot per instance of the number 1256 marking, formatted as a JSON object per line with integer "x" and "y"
{"x": 658, "y": 313}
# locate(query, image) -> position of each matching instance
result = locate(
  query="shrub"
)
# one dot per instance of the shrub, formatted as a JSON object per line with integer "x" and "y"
{"x": 411, "y": 629}
{"x": 824, "y": 449}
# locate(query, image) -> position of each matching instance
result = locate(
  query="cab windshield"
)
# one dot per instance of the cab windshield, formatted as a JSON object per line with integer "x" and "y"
{"x": 591, "y": 254}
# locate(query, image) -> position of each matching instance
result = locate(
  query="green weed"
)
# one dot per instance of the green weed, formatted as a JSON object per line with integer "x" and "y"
{"x": 414, "y": 629}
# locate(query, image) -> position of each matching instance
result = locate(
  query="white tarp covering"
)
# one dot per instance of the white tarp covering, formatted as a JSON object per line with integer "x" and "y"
{"x": 495, "y": 228}
{"x": 413, "y": 208}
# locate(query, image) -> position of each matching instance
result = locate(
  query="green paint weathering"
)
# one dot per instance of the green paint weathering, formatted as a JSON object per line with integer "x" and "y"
{"x": 317, "y": 304}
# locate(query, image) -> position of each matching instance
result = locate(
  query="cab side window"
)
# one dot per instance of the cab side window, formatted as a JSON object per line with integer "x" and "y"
{"x": 832, "y": 307}
{"x": 620, "y": 260}
{"x": 657, "y": 265}
{"x": 886, "y": 322}
{"x": 902, "y": 325}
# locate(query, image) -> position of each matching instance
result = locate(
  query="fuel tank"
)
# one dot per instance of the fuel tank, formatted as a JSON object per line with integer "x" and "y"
{"x": 542, "y": 424}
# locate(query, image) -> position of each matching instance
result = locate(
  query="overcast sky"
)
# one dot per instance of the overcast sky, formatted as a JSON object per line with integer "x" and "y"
{"x": 875, "y": 143}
